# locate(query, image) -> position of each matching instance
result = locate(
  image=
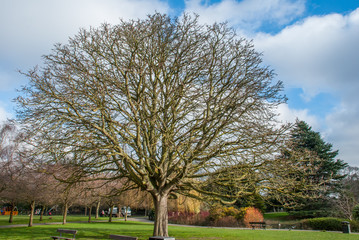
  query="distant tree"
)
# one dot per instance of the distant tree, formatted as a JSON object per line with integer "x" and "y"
{"x": 11, "y": 164}
{"x": 68, "y": 187}
{"x": 329, "y": 170}
{"x": 348, "y": 196}
{"x": 303, "y": 137}
{"x": 32, "y": 188}
{"x": 162, "y": 102}
{"x": 351, "y": 181}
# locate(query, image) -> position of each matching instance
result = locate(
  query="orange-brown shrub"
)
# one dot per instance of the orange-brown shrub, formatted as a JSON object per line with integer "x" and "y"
{"x": 252, "y": 214}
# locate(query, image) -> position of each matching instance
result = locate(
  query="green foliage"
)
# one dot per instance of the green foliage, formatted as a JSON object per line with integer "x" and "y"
{"x": 254, "y": 200}
{"x": 326, "y": 170}
{"x": 354, "y": 226}
{"x": 151, "y": 214}
{"x": 303, "y": 137}
{"x": 234, "y": 212}
{"x": 356, "y": 212}
{"x": 308, "y": 214}
{"x": 328, "y": 224}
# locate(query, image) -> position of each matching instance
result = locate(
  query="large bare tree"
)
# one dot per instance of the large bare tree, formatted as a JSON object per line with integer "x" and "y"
{"x": 163, "y": 102}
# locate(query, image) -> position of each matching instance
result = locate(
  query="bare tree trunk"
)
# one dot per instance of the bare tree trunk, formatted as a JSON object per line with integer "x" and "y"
{"x": 85, "y": 210}
{"x": 118, "y": 214}
{"x": 11, "y": 218}
{"x": 110, "y": 214}
{"x": 98, "y": 208}
{"x": 161, "y": 215}
{"x": 42, "y": 212}
{"x": 64, "y": 213}
{"x": 32, "y": 209}
{"x": 90, "y": 210}
{"x": 125, "y": 213}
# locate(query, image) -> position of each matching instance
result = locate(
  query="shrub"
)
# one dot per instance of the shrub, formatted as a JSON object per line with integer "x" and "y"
{"x": 216, "y": 213}
{"x": 354, "y": 226}
{"x": 252, "y": 214}
{"x": 186, "y": 218}
{"x": 232, "y": 217}
{"x": 151, "y": 214}
{"x": 327, "y": 223}
{"x": 226, "y": 221}
{"x": 356, "y": 212}
{"x": 221, "y": 216}
{"x": 233, "y": 212}
{"x": 308, "y": 214}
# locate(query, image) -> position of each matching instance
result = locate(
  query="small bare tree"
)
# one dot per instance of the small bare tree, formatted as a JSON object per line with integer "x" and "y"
{"x": 12, "y": 164}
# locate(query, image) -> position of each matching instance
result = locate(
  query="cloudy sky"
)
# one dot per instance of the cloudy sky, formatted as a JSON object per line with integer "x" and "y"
{"x": 311, "y": 44}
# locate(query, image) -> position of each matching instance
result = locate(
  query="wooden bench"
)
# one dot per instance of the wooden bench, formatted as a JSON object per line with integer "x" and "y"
{"x": 66, "y": 231}
{"x": 121, "y": 237}
{"x": 259, "y": 224}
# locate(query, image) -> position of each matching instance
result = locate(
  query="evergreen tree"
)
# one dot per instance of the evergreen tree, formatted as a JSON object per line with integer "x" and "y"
{"x": 304, "y": 138}
{"x": 329, "y": 169}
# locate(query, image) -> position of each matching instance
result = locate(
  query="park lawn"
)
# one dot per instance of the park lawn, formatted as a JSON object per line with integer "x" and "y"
{"x": 101, "y": 230}
{"x": 279, "y": 217}
{"x": 24, "y": 219}
{"x": 276, "y": 216}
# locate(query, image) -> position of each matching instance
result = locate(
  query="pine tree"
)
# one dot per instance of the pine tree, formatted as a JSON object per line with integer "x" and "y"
{"x": 303, "y": 138}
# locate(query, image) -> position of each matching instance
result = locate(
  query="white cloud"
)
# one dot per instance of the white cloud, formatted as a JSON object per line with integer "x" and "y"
{"x": 320, "y": 54}
{"x": 288, "y": 115}
{"x": 4, "y": 115}
{"x": 248, "y": 14}
{"x": 30, "y": 28}
{"x": 343, "y": 131}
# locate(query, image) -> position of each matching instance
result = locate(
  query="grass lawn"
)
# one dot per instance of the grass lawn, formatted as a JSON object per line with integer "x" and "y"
{"x": 277, "y": 216}
{"x": 24, "y": 219}
{"x": 144, "y": 230}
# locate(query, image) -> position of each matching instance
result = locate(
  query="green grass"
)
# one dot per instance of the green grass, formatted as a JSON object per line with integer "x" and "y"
{"x": 276, "y": 216}
{"x": 24, "y": 219}
{"x": 144, "y": 230}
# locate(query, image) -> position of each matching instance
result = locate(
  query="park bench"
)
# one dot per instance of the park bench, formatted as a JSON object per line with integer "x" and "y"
{"x": 120, "y": 237}
{"x": 258, "y": 224}
{"x": 66, "y": 231}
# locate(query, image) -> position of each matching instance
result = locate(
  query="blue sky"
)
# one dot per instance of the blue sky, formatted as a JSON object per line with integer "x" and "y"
{"x": 312, "y": 45}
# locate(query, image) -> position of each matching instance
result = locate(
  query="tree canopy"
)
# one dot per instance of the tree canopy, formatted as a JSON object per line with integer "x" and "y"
{"x": 163, "y": 102}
